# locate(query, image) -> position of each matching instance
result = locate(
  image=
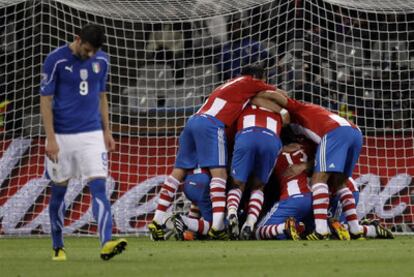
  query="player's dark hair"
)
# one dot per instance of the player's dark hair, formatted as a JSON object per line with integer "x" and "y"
{"x": 287, "y": 135}
{"x": 255, "y": 70}
{"x": 93, "y": 34}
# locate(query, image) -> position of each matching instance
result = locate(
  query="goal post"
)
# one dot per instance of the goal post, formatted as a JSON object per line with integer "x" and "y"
{"x": 352, "y": 57}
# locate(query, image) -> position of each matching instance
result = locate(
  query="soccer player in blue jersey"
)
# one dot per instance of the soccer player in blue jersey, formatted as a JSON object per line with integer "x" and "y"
{"x": 74, "y": 109}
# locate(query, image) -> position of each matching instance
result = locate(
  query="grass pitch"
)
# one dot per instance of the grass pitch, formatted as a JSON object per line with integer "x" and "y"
{"x": 32, "y": 257}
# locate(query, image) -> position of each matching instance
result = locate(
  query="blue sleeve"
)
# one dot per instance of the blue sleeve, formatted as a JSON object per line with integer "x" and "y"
{"x": 49, "y": 76}
{"x": 105, "y": 64}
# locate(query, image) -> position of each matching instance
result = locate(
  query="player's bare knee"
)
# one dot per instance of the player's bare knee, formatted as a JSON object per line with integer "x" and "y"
{"x": 62, "y": 183}
{"x": 219, "y": 172}
{"x": 320, "y": 177}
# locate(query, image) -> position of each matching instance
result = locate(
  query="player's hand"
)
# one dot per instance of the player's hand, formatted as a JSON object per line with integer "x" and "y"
{"x": 292, "y": 147}
{"x": 109, "y": 141}
{"x": 294, "y": 170}
{"x": 52, "y": 150}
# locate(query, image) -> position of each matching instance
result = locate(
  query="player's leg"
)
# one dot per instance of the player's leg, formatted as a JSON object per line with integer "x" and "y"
{"x": 330, "y": 158}
{"x": 186, "y": 159}
{"x": 347, "y": 199}
{"x": 255, "y": 205}
{"x": 284, "y": 219}
{"x": 92, "y": 160}
{"x": 218, "y": 200}
{"x": 59, "y": 172}
{"x": 374, "y": 229}
{"x": 196, "y": 189}
{"x": 241, "y": 167}
{"x": 57, "y": 216}
{"x": 167, "y": 193}
{"x": 267, "y": 149}
{"x": 233, "y": 201}
{"x": 320, "y": 204}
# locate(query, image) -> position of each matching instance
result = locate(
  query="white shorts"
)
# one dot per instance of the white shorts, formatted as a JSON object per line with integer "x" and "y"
{"x": 80, "y": 155}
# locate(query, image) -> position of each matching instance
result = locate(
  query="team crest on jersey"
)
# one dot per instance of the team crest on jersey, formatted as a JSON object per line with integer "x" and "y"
{"x": 84, "y": 74}
{"x": 96, "y": 67}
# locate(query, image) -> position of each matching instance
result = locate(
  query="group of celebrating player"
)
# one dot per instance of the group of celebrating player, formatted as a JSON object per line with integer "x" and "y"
{"x": 246, "y": 114}
{"x": 74, "y": 109}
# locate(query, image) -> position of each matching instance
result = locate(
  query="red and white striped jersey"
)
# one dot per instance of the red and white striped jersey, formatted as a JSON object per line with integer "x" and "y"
{"x": 313, "y": 121}
{"x": 254, "y": 116}
{"x": 296, "y": 184}
{"x": 228, "y": 100}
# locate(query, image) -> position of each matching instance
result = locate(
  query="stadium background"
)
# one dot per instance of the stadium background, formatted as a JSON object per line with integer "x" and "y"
{"x": 353, "y": 57}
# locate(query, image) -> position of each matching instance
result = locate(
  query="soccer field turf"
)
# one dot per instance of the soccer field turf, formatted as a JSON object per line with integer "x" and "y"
{"x": 32, "y": 257}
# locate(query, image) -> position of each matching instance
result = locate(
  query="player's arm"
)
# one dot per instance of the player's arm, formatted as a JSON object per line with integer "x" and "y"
{"x": 109, "y": 140}
{"x": 279, "y": 96}
{"x": 272, "y": 106}
{"x": 52, "y": 148}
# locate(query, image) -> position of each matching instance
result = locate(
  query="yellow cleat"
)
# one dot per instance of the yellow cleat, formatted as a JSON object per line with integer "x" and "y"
{"x": 316, "y": 236}
{"x": 157, "y": 231}
{"x": 59, "y": 255}
{"x": 290, "y": 229}
{"x": 112, "y": 248}
{"x": 338, "y": 230}
{"x": 214, "y": 234}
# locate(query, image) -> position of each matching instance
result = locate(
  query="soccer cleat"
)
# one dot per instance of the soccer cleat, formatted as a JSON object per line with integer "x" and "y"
{"x": 316, "y": 236}
{"x": 290, "y": 229}
{"x": 214, "y": 234}
{"x": 246, "y": 233}
{"x": 179, "y": 227}
{"x": 358, "y": 236}
{"x": 380, "y": 230}
{"x": 59, "y": 254}
{"x": 233, "y": 227}
{"x": 112, "y": 248}
{"x": 157, "y": 231}
{"x": 338, "y": 230}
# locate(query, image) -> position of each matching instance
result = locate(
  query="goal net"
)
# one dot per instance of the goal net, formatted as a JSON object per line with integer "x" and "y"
{"x": 352, "y": 57}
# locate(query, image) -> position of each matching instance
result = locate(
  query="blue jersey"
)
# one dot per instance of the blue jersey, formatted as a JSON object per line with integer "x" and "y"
{"x": 75, "y": 85}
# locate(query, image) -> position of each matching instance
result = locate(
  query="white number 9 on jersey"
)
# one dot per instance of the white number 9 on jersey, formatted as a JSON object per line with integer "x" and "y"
{"x": 83, "y": 88}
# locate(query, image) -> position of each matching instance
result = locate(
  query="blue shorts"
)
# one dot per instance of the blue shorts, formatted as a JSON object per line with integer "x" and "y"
{"x": 335, "y": 209}
{"x": 298, "y": 206}
{"x": 202, "y": 143}
{"x": 339, "y": 151}
{"x": 197, "y": 190}
{"x": 255, "y": 152}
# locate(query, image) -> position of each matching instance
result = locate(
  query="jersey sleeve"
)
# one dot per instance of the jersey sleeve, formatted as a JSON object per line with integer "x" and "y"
{"x": 259, "y": 85}
{"x": 293, "y": 105}
{"x": 105, "y": 64}
{"x": 48, "y": 76}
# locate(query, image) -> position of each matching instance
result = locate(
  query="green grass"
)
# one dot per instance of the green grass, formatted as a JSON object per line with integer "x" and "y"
{"x": 32, "y": 257}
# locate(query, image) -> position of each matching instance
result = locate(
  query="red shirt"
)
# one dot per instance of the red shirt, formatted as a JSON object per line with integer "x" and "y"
{"x": 294, "y": 185}
{"x": 228, "y": 100}
{"x": 254, "y": 116}
{"x": 312, "y": 120}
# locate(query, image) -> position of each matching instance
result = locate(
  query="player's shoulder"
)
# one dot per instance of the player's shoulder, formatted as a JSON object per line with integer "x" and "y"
{"x": 60, "y": 53}
{"x": 102, "y": 55}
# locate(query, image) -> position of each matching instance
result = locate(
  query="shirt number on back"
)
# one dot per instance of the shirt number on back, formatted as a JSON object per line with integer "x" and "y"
{"x": 83, "y": 88}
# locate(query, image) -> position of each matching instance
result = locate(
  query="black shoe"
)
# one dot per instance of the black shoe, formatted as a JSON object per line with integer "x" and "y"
{"x": 246, "y": 233}
{"x": 233, "y": 227}
{"x": 316, "y": 236}
{"x": 358, "y": 236}
{"x": 214, "y": 234}
{"x": 380, "y": 230}
{"x": 179, "y": 227}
